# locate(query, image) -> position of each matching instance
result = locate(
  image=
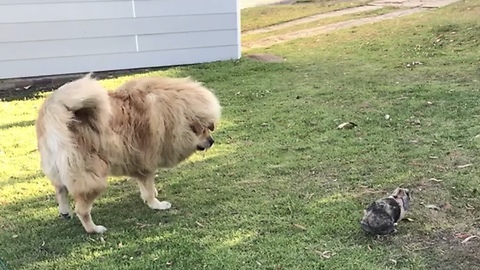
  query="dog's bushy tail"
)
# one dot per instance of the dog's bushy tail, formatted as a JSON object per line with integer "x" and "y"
{"x": 79, "y": 106}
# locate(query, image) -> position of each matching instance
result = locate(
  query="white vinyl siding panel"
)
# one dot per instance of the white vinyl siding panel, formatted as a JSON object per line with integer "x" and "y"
{"x": 48, "y": 37}
{"x": 186, "y": 40}
{"x": 69, "y": 47}
{"x": 115, "y": 61}
{"x": 94, "y": 46}
{"x": 173, "y": 8}
{"x": 11, "y": 2}
{"x": 115, "y": 27}
{"x": 79, "y": 11}
{"x": 65, "y": 12}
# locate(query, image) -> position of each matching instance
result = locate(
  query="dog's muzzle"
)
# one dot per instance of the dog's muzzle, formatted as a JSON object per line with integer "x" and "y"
{"x": 206, "y": 144}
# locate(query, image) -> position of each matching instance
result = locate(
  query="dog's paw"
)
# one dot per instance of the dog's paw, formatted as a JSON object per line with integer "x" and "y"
{"x": 160, "y": 205}
{"x": 66, "y": 216}
{"x": 98, "y": 229}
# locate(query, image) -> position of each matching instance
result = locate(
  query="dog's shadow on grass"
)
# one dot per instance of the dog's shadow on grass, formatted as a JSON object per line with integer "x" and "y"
{"x": 46, "y": 235}
{"x": 52, "y": 237}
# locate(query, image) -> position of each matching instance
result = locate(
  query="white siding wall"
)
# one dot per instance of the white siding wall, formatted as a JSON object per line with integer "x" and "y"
{"x": 46, "y": 37}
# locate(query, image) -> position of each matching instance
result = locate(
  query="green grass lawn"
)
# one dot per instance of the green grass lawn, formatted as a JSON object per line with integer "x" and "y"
{"x": 283, "y": 188}
{"x": 263, "y": 16}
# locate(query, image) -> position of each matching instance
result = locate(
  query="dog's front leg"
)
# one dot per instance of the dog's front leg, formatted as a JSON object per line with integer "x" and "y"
{"x": 149, "y": 193}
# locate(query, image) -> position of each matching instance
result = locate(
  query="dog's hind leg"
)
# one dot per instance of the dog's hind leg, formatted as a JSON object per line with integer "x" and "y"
{"x": 61, "y": 192}
{"x": 149, "y": 193}
{"x": 84, "y": 191}
{"x": 83, "y": 208}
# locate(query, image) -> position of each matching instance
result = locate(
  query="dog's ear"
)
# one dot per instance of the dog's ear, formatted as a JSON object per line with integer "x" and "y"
{"x": 196, "y": 128}
{"x": 211, "y": 127}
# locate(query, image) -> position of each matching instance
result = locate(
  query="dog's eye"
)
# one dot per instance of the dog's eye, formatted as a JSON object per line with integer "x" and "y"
{"x": 211, "y": 127}
{"x": 197, "y": 129}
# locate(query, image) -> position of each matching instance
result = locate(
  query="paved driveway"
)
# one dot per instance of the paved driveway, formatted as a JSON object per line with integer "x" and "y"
{"x": 254, "y": 3}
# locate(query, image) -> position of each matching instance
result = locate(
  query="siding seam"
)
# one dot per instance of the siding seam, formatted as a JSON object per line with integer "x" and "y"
{"x": 120, "y": 18}
{"x": 122, "y": 35}
{"x": 119, "y": 53}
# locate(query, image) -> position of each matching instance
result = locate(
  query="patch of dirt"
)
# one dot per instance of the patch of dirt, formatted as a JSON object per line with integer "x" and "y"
{"x": 263, "y": 57}
{"x": 414, "y": 6}
{"x": 414, "y": 3}
{"x": 446, "y": 250}
{"x": 457, "y": 159}
{"x": 312, "y": 19}
{"x": 439, "y": 234}
{"x": 445, "y": 237}
{"x": 277, "y": 39}
{"x": 442, "y": 250}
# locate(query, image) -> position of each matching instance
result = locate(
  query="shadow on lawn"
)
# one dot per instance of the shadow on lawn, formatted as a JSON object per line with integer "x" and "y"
{"x": 138, "y": 236}
{"x": 141, "y": 238}
{"x": 120, "y": 209}
{"x": 20, "y": 179}
{"x": 17, "y": 124}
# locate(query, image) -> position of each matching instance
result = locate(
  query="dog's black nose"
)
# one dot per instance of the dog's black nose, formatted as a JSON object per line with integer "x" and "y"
{"x": 211, "y": 141}
{"x": 66, "y": 216}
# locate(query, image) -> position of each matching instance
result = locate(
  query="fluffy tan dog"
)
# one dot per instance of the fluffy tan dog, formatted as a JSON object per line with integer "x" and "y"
{"x": 86, "y": 133}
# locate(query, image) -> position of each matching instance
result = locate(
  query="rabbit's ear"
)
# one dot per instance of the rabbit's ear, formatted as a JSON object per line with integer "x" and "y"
{"x": 409, "y": 193}
{"x": 396, "y": 192}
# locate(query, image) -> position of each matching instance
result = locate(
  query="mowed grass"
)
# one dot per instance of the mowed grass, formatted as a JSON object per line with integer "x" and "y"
{"x": 263, "y": 16}
{"x": 283, "y": 188}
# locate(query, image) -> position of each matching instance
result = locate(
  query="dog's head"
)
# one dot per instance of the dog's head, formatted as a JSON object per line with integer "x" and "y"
{"x": 203, "y": 134}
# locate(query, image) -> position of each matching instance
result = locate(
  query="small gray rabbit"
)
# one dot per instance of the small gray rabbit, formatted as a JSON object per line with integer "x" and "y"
{"x": 382, "y": 216}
